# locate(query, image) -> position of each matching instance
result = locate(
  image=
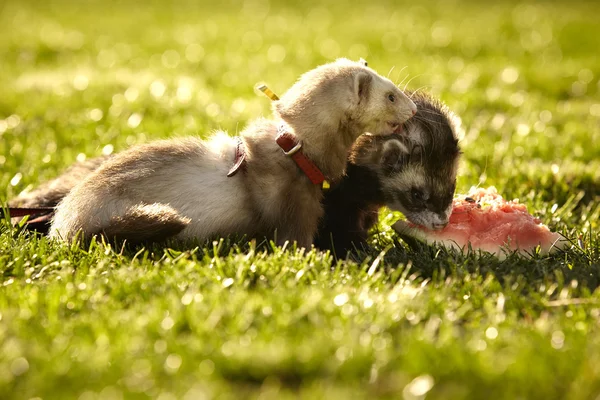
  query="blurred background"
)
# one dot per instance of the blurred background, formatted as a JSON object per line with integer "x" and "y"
{"x": 89, "y": 77}
{"x": 83, "y": 78}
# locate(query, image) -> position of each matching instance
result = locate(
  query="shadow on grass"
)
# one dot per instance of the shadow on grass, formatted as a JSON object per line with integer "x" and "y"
{"x": 580, "y": 263}
{"x": 564, "y": 266}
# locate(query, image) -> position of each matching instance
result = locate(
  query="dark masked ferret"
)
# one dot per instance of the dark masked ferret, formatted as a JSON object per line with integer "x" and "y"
{"x": 414, "y": 173}
{"x": 180, "y": 188}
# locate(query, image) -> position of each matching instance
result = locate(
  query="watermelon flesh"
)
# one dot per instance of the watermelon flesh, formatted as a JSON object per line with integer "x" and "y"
{"x": 483, "y": 220}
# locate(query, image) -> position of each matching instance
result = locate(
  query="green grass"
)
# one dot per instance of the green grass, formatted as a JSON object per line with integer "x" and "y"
{"x": 245, "y": 320}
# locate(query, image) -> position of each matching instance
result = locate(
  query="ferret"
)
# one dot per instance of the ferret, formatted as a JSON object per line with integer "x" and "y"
{"x": 47, "y": 196}
{"x": 50, "y": 193}
{"x": 414, "y": 173}
{"x": 180, "y": 187}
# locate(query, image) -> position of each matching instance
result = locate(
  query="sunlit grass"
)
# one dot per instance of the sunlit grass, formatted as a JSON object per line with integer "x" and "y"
{"x": 80, "y": 79}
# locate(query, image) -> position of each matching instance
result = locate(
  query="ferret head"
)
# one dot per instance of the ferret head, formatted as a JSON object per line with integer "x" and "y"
{"x": 345, "y": 94}
{"x": 417, "y": 169}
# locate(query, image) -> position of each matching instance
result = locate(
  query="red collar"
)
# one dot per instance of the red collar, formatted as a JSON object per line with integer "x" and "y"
{"x": 292, "y": 147}
{"x": 240, "y": 158}
{"x": 40, "y": 217}
{"x": 25, "y": 211}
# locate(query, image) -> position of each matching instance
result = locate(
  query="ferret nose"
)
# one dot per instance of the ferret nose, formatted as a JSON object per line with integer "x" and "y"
{"x": 413, "y": 107}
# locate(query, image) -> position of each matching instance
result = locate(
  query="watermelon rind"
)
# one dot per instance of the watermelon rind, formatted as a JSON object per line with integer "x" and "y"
{"x": 408, "y": 232}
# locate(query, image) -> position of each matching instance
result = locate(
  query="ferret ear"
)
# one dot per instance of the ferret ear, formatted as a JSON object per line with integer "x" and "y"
{"x": 362, "y": 85}
{"x": 394, "y": 156}
{"x": 417, "y": 151}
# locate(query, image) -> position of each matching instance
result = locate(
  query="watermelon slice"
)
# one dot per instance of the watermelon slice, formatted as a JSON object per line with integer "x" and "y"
{"x": 483, "y": 220}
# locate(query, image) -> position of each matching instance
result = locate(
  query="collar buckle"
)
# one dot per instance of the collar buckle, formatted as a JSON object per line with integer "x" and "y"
{"x": 293, "y": 150}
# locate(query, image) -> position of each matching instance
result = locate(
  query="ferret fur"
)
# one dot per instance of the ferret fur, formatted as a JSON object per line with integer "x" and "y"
{"x": 183, "y": 183}
{"x": 384, "y": 171}
{"x": 50, "y": 193}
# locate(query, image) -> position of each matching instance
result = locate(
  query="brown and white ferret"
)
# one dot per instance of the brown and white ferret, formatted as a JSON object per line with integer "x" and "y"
{"x": 413, "y": 172}
{"x": 179, "y": 188}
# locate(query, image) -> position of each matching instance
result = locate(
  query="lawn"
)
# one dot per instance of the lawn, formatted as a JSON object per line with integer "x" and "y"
{"x": 249, "y": 320}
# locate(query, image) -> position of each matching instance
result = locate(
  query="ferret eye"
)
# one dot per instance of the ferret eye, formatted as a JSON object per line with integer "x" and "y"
{"x": 417, "y": 195}
{"x": 391, "y": 97}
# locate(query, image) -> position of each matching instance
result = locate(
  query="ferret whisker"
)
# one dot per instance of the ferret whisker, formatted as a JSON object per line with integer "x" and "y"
{"x": 390, "y": 71}
{"x": 410, "y": 80}
{"x": 484, "y": 172}
{"x": 422, "y": 118}
{"x": 398, "y": 74}
{"x": 426, "y": 112}
{"x": 416, "y": 91}
{"x": 429, "y": 121}
{"x": 429, "y": 111}
{"x": 396, "y": 78}
{"x": 402, "y": 81}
